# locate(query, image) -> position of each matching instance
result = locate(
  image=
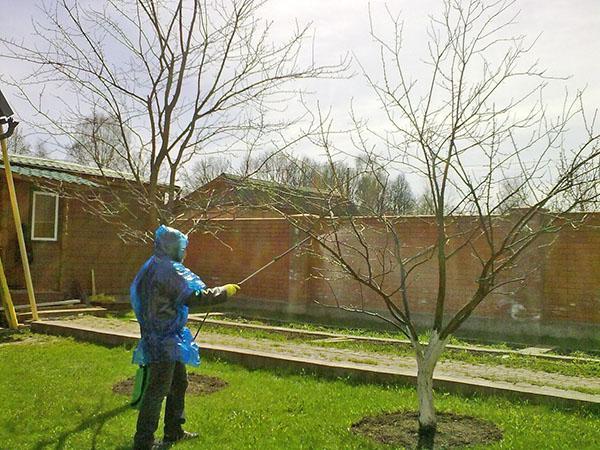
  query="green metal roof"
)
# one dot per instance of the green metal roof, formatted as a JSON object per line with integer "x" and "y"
{"x": 54, "y": 175}
{"x": 51, "y": 168}
{"x": 66, "y": 166}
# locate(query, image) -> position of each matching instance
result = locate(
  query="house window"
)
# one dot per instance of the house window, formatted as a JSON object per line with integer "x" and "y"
{"x": 44, "y": 221}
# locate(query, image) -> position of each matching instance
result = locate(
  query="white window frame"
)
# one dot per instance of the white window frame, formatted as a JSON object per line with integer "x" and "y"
{"x": 48, "y": 194}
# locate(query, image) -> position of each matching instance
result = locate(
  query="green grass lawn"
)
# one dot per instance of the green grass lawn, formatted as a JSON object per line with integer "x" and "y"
{"x": 56, "y": 394}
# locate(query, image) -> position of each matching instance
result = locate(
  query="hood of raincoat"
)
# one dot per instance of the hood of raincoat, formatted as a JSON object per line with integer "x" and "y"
{"x": 159, "y": 295}
{"x": 170, "y": 243}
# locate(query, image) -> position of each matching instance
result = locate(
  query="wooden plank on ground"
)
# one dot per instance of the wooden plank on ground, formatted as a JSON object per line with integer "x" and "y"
{"x": 48, "y": 304}
{"x": 97, "y": 311}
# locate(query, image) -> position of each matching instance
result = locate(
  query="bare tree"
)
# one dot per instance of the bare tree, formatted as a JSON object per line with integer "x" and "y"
{"x": 400, "y": 198}
{"x": 367, "y": 184}
{"x": 462, "y": 129}
{"x": 97, "y": 141}
{"x": 513, "y": 193}
{"x": 205, "y": 170}
{"x": 424, "y": 204}
{"x": 177, "y": 78}
{"x": 585, "y": 194}
{"x": 17, "y": 144}
{"x": 284, "y": 168}
{"x": 378, "y": 192}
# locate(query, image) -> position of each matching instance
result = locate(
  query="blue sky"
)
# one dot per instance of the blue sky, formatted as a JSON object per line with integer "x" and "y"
{"x": 568, "y": 44}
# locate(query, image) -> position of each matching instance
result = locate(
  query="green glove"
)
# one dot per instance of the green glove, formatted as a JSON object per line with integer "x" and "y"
{"x": 231, "y": 289}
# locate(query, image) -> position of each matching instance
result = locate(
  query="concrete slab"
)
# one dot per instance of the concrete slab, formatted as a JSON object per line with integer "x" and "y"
{"x": 202, "y": 315}
{"x": 378, "y": 340}
{"x": 334, "y": 339}
{"x": 535, "y": 350}
{"x": 359, "y": 372}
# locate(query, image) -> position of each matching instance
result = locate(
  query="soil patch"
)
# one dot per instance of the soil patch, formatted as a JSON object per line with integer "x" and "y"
{"x": 453, "y": 430}
{"x": 197, "y": 385}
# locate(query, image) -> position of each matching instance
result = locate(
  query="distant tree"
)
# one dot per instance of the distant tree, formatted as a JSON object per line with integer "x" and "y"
{"x": 340, "y": 176}
{"x": 97, "y": 141}
{"x": 41, "y": 150}
{"x": 513, "y": 193}
{"x": 424, "y": 204}
{"x": 377, "y": 192}
{"x": 17, "y": 144}
{"x": 284, "y": 168}
{"x": 400, "y": 199}
{"x": 585, "y": 194}
{"x": 370, "y": 187}
{"x": 369, "y": 183}
{"x": 204, "y": 170}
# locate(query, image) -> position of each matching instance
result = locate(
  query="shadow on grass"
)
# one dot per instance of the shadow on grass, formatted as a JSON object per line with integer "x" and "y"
{"x": 8, "y": 336}
{"x": 95, "y": 423}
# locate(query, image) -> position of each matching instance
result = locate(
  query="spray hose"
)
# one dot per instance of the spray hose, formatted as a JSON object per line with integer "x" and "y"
{"x": 253, "y": 274}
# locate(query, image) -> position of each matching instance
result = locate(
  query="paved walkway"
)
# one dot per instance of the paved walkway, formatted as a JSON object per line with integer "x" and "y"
{"x": 554, "y": 384}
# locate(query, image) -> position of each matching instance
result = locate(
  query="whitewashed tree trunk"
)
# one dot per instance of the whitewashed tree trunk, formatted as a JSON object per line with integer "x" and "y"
{"x": 425, "y": 394}
{"x": 426, "y": 361}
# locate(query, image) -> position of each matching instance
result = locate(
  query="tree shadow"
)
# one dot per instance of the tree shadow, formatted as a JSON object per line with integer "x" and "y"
{"x": 426, "y": 440}
{"x": 7, "y": 335}
{"x": 95, "y": 423}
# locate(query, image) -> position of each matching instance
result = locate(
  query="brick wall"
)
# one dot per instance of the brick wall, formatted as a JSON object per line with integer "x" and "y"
{"x": 563, "y": 279}
{"x": 571, "y": 286}
{"x": 87, "y": 243}
{"x": 417, "y": 237}
{"x": 238, "y": 248}
{"x": 562, "y": 270}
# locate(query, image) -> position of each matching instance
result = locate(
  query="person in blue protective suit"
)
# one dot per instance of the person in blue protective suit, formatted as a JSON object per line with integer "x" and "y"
{"x": 160, "y": 295}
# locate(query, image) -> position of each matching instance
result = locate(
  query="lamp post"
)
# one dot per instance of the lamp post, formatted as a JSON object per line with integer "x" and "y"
{"x": 6, "y": 114}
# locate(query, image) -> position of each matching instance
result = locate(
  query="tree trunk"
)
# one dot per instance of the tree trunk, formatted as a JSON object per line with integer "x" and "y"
{"x": 155, "y": 204}
{"x": 426, "y": 362}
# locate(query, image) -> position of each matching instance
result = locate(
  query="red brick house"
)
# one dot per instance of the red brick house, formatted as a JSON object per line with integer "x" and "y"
{"x": 65, "y": 237}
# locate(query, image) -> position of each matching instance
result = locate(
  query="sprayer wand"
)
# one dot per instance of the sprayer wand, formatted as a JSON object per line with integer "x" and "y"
{"x": 253, "y": 274}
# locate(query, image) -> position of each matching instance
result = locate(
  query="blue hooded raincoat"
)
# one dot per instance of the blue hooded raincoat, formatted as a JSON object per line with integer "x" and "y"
{"x": 159, "y": 295}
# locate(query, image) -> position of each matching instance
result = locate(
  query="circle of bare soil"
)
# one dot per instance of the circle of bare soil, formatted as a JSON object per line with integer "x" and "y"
{"x": 453, "y": 430}
{"x": 197, "y": 385}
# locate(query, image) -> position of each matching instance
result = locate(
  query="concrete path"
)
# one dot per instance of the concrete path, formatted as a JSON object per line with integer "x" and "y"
{"x": 449, "y": 375}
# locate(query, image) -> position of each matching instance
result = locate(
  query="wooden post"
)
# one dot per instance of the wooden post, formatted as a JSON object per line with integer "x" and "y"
{"x": 9, "y": 308}
{"x": 18, "y": 226}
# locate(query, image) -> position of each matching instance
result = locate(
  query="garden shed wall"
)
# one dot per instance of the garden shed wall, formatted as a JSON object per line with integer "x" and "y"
{"x": 62, "y": 268}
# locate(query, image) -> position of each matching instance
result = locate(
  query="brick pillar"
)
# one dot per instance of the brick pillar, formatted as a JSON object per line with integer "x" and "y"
{"x": 299, "y": 282}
